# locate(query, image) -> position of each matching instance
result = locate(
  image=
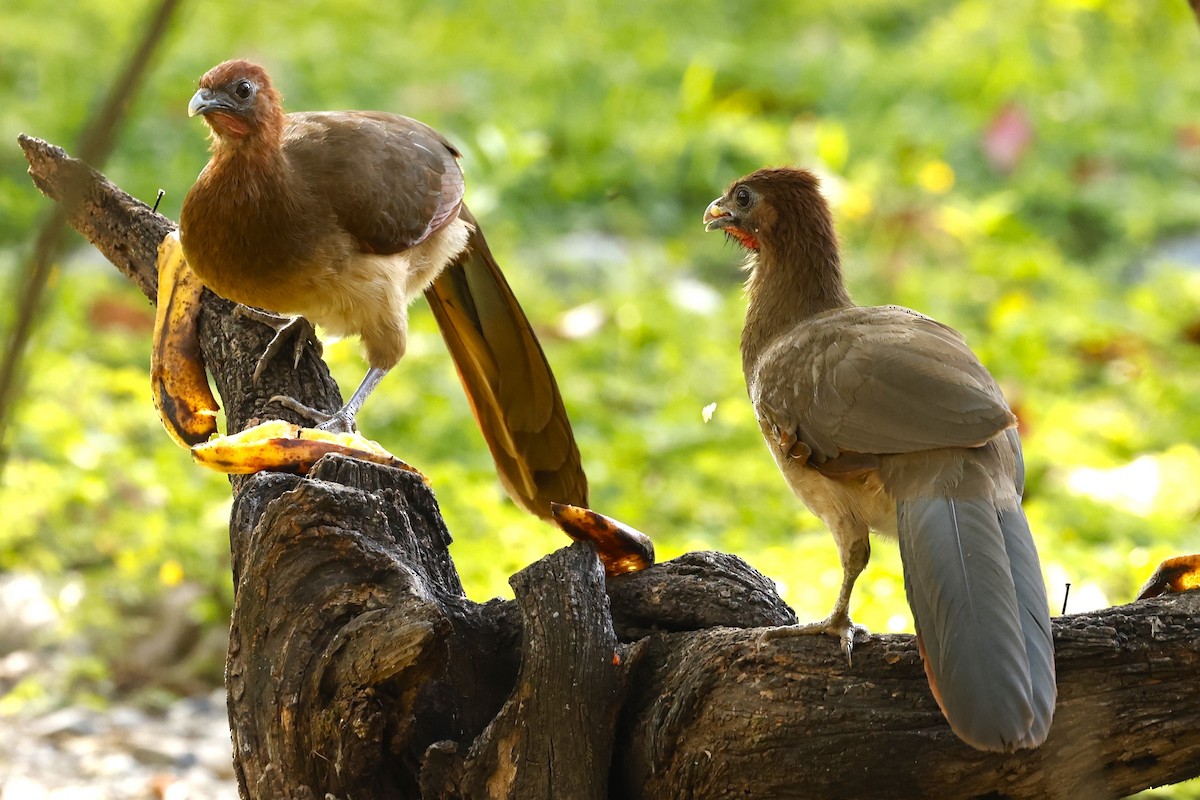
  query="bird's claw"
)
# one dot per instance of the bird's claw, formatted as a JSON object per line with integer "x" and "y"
{"x": 338, "y": 422}
{"x": 840, "y": 626}
{"x": 298, "y": 330}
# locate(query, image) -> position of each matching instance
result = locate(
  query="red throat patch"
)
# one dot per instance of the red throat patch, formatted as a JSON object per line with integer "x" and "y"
{"x": 227, "y": 124}
{"x": 744, "y": 238}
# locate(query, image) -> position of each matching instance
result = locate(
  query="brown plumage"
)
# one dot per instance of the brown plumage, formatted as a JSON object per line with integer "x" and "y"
{"x": 883, "y": 419}
{"x": 344, "y": 218}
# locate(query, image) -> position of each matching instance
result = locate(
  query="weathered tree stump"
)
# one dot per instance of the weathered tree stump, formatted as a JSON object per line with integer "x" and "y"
{"x": 358, "y": 669}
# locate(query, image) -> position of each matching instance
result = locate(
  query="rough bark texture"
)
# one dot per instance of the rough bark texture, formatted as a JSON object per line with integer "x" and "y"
{"x": 357, "y": 668}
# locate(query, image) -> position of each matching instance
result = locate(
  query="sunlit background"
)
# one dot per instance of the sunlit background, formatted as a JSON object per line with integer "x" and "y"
{"x": 1025, "y": 174}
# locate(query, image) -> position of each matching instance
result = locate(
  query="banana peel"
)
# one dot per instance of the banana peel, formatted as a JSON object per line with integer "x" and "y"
{"x": 184, "y": 401}
{"x": 622, "y": 549}
{"x": 281, "y": 446}
{"x": 188, "y": 409}
{"x": 1177, "y": 574}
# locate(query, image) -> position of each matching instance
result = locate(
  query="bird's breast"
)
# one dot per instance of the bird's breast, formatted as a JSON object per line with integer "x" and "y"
{"x": 261, "y": 271}
{"x": 367, "y": 295}
{"x": 251, "y": 238}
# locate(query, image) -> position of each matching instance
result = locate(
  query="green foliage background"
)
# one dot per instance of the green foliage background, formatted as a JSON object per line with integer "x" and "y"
{"x": 594, "y": 135}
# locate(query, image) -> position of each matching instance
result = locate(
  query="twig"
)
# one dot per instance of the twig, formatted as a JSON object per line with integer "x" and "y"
{"x": 95, "y": 145}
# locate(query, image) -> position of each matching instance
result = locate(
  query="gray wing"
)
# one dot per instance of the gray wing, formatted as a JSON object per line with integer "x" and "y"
{"x": 877, "y": 380}
{"x": 391, "y": 181}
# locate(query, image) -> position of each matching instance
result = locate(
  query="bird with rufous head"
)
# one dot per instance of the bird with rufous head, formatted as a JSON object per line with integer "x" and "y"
{"x": 343, "y": 218}
{"x": 882, "y": 419}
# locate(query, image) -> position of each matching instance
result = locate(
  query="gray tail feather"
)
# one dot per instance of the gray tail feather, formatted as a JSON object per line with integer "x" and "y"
{"x": 976, "y": 593}
{"x": 1035, "y": 620}
{"x": 1014, "y": 441}
{"x": 1031, "y": 596}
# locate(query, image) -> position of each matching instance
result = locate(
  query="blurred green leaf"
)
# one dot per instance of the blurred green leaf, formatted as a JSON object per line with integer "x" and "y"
{"x": 593, "y": 137}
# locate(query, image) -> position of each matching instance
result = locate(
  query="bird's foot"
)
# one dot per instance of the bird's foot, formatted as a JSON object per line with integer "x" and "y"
{"x": 341, "y": 421}
{"x": 837, "y": 625}
{"x": 338, "y": 422}
{"x": 296, "y": 330}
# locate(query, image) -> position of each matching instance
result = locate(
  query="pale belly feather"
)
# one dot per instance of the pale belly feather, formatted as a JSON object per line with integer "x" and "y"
{"x": 369, "y": 295}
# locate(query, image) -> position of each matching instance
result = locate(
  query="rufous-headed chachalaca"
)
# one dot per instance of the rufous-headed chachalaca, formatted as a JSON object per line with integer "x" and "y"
{"x": 882, "y": 419}
{"x": 344, "y": 218}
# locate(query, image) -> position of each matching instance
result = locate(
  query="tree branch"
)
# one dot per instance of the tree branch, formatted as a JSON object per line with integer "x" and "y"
{"x": 553, "y": 738}
{"x": 358, "y": 668}
{"x": 786, "y": 717}
{"x": 95, "y": 144}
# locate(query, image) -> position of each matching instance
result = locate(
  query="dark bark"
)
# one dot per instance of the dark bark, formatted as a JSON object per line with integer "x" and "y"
{"x": 358, "y": 669}
{"x": 790, "y": 719}
{"x": 554, "y": 735}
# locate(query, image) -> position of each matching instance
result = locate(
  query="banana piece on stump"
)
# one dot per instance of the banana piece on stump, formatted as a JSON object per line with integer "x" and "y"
{"x": 281, "y": 446}
{"x": 188, "y": 409}
{"x": 621, "y": 548}
{"x": 1177, "y": 574}
{"x": 184, "y": 401}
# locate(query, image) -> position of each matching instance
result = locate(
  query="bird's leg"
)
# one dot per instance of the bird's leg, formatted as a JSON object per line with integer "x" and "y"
{"x": 298, "y": 330}
{"x": 342, "y": 420}
{"x": 854, "y": 552}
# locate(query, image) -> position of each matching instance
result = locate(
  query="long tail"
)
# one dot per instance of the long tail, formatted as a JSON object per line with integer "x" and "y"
{"x": 508, "y": 382}
{"x": 975, "y": 588}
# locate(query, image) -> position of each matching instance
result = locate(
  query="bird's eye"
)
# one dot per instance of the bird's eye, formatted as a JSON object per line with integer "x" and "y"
{"x": 742, "y": 197}
{"x": 242, "y": 89}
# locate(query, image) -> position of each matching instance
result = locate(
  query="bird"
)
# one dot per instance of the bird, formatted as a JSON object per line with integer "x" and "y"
{"x": 342, "y": 218}
{"x": 882, "y": 419}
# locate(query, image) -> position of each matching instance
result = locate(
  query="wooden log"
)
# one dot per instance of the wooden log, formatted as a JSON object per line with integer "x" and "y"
{"x": 357, "y": 667}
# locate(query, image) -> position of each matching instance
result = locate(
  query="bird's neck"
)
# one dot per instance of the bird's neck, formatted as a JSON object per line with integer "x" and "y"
{"x": 246, "y": 208}
{"x": 249, "y": 164}
{"x": 787, "y": 288}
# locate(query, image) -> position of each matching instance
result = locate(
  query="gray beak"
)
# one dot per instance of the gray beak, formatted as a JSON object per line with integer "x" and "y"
{"x": 204, "y": 101}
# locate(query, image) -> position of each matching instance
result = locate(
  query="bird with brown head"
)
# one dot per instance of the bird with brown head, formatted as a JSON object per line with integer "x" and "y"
{"x": 882, "y": 419}
{"x": 343, "y": 218}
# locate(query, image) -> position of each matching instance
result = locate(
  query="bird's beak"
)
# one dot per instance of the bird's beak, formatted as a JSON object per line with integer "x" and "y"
{"x": 716, "y": 217}
{"x": 206, "y": 100}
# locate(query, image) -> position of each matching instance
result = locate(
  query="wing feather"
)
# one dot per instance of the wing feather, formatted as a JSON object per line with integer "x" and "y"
{"x": 390, "y": 181}
{"x": 878, "y": 380}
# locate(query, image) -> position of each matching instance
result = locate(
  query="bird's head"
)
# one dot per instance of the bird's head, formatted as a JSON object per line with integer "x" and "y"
{"x": 772, "y": 209}
{"x": 237, "y": 100}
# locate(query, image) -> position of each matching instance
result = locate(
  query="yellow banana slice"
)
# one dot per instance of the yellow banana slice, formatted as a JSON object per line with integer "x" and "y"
{"x": 283, "y": 447}
{"x": 185, "y": 404}
{"x": 1177, "y": 574}
{"x": 621, "y": 548}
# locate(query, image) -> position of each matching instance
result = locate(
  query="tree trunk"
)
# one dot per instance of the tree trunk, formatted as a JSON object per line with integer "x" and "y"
{"x": 358, "y": 669}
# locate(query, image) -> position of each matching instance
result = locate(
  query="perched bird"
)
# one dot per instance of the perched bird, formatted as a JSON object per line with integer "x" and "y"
{"x": 344, "y": 218}
{"x": 882, "y": 419}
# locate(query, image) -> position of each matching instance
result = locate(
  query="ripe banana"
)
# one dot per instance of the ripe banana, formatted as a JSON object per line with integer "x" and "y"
{"x": 283, "y": 447}
{"x": 188, "y": 409}
{"x": 185, "y": 404}
{"x": 621, "y": 548}
{"x": 1173, "y": 575}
